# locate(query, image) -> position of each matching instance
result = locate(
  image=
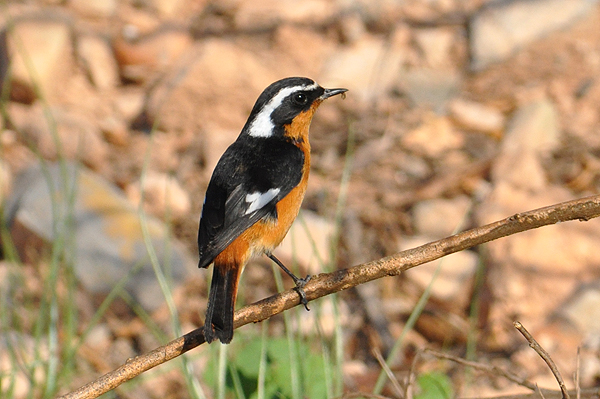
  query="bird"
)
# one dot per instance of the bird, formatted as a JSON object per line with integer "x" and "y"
{"x": 255, "y": 194}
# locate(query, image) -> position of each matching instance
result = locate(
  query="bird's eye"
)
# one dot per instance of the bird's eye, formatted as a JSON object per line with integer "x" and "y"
{"x": 300, "y": 98}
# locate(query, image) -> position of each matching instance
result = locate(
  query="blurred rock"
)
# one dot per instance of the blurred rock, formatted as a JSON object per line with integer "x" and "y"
{"x": 129, "y": 103}
{"x": 99, "y": 337}
{"x": 533, "y": 127}
{"x": 115, "y": 131}
{"x": 456, "y": 273}
{"x": 139, "y": 21}
{"x": 427, "y": 87}
{"x": 382, "y": 14}
{"x": 441, "y": 217}
{"x": 433, "y": 138}
{"x": 590, "y": 363}
{"x": 162, "y": 148}
{"x": 78, "y": 138}
{"x": 503, "y": 27}
{"x": 368, "y": 67}
{"x": 301, "y": 51}
{"x": 582, "y": 309}
{"x": 265, "y": 14}
{"x": 213, "y": 88}
{"x": 162, "y": 194}
{"x": 531, "y": 133}
{"x": 39, "y": 57}
{"x": 370, "y": 152}
{"x": 99, "y": 61}
{"x": 167, "y": 8}
{"x": 308, "y": 243}
{"x": 94, "y": 8}
{"x": 141, "y": 57}
{"x": 475, "y": 116}
{"x": 413, "y": 167}
{"x": 103, "y": 226}
{"x": 435, "y": 45}
{"x": 352, "y": 27}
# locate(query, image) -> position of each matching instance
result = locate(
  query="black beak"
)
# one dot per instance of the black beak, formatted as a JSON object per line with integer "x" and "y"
{"x": 332, "y": 92}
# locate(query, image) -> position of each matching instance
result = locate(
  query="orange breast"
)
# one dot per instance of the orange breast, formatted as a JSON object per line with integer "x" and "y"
{"x": 266, "y": 235}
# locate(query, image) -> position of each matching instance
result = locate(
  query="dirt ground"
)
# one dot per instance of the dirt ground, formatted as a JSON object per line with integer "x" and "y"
{"x": 180, "y": 91}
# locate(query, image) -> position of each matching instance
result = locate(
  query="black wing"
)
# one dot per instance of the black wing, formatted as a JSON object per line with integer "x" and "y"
{"x": 268, "y": 166}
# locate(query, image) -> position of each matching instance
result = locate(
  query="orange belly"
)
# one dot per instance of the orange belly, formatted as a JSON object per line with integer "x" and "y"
{"x": 264, "y": 236}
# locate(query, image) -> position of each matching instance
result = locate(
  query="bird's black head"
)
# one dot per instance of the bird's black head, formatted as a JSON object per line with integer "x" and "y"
{"x": 281, "y": 102}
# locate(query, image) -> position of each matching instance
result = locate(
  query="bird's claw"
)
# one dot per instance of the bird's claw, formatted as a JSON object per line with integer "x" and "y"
{"x": 300, "y": 283}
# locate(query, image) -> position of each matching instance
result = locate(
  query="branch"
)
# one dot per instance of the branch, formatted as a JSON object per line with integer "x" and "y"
{"x": 328, "y": 283}
{"x": 545, "y": 356}
{"x": 492, "y": 370}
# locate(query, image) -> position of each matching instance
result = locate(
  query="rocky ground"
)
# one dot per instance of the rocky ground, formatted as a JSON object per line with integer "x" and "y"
{"x": 459, "y": 113}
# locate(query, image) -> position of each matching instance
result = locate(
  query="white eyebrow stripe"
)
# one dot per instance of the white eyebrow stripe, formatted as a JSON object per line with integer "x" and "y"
{"x": 262, "y": 126}
{"x": 257, "y": 199}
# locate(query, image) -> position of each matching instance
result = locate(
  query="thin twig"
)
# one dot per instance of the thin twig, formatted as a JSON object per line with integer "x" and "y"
{"x": 545, "y": 356}
{"x": 377, "y": 353}
{"x": 539, "y": 391}
{"x": 325, "y": 284}
{"x": 484, "y": 367}
{"x": 408, "y": 385}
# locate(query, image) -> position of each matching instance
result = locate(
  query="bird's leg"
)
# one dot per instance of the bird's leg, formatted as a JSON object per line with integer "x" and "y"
{"x": 300, "y": 282}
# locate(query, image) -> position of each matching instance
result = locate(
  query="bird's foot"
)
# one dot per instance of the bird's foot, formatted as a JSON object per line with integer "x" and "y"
{"x": 300, "y": 283}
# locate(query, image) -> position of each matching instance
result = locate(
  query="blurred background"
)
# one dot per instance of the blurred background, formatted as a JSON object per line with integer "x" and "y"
{"x": 459, "y": 113}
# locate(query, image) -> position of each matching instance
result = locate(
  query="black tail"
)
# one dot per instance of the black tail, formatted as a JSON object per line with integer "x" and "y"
{"x": 221, "y": 302}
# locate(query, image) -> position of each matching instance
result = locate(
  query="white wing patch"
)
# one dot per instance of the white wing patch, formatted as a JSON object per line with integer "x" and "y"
{"x": 257, "y": 199}
{"x": 262, "y": 126}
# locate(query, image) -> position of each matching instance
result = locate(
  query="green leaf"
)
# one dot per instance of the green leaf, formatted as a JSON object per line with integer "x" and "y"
{"x": 314, "y": 372}
{"x": 434, "y": 385}
{"x": 244, "y": 366}
{"x": 247, "y": 359}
